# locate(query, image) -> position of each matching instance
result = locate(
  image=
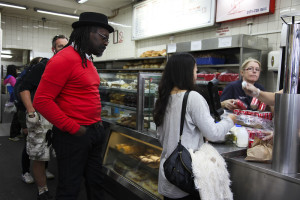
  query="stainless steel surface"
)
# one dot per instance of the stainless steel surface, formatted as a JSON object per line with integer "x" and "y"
{"x": 292, "y": 61}
{"x": 229, "y": 150}
{"x": 257, "y": 181}
{"x": 245, "y": 41}
{"x": 286, "y": 133}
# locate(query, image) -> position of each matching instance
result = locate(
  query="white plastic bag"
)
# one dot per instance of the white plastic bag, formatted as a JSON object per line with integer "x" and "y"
{"x": 10, "y": 107}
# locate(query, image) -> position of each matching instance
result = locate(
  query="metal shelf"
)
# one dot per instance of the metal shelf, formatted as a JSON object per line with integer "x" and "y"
{"x": 219, "y": 66}
{"x": 139, "y": 69}
{"x": 117, "y": 89}
{"x": 124, "y": 107}
{"x": 130, "y": 59}
{"x": 119, "y": 106}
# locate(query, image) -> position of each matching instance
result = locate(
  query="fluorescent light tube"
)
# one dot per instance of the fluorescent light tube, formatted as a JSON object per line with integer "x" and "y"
{"x": 81, "y": 1}
{"x": 6, "y": 56}
{"x": 55, "y": 13}
{"x": 12, "y": 5}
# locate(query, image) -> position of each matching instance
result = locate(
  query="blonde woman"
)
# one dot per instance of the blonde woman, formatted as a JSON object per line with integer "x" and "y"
{"x": 250, "y": 72}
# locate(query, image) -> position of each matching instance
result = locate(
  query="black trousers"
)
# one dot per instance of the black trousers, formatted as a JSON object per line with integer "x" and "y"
{"x": 15, "y": 126}
{"x": 79, "y": 157}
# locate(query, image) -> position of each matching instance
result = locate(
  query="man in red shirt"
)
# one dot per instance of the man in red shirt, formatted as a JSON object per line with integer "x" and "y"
{"x": 68, "y": 96}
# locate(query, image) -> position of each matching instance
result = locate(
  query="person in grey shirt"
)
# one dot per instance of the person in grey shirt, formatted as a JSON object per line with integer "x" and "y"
{"x": 180, "y": 75}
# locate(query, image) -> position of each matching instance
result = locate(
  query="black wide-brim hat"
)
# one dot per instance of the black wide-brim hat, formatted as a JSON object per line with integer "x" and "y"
{"x": 94, "y": 19}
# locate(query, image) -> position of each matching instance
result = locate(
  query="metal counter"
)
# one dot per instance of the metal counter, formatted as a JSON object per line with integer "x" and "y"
{"x": 257, "y": 181}
{"x": 250, "y": 180}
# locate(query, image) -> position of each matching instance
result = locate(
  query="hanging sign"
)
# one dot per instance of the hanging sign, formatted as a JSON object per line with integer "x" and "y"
{"x": 236, "y": 9}
{"x": 160, "y": 17}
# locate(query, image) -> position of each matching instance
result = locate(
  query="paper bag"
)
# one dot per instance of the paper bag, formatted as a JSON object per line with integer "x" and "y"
{"x": 261, "y": 151}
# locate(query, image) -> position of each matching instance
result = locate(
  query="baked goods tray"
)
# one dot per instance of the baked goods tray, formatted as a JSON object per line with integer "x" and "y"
{"x": 133, "y": 162}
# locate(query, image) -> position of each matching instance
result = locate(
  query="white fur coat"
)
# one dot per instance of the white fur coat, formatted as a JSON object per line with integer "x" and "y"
{"x": 210, "y": 174}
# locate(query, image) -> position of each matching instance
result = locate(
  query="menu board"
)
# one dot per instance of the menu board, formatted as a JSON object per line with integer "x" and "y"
{"x": 160, "y": 17}
{"x": 236, "y": 9}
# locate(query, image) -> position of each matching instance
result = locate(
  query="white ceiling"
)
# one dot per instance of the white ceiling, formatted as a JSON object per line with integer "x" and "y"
{"x": 64, "y": 6}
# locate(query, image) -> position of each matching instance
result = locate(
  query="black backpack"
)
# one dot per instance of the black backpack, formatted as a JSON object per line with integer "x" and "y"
{"x": 21, "y": 77}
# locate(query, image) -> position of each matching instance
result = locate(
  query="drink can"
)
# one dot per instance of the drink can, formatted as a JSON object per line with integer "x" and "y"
{"x": 241, "y": 105}
{"x": 255, "y": 113}
{"x": 251, "y": 133}
{"x": 244, "y": 112}
{"x": 268, "y": 115}
{"x": 250, "y": 142}
{"x": 261, "y": 114}
{"x": 254, "y": 103}
{"x": 250, "y": 112}
{"x": 262, "y": 107}
{"x": 237, "y": 111}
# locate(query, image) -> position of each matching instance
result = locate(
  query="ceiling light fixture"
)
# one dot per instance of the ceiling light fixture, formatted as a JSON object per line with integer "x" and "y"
{"x": 12, "y": 5}
{"x": 56, "y": 13}
{"x": 81, "y": 1}
{"x": 6, "y": 56}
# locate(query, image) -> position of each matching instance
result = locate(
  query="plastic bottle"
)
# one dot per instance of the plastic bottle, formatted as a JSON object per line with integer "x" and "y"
{"x": 242, "y": 137}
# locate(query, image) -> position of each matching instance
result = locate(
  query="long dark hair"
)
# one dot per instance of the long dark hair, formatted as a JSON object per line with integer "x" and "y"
{"x": 11, "y": 70}
{"x": 179, "y": 72}
{"x": 81, "y": 38}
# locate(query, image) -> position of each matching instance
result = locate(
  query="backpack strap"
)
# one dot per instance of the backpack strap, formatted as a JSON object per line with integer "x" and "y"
{"x": 183, "y": 110}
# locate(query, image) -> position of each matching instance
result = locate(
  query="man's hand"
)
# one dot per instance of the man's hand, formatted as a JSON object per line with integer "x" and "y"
{"x": 32, "y": 117}
{"x": 229, "y": 104}
{"x": 81, "y": 131}
{"x": 251, "y": 90}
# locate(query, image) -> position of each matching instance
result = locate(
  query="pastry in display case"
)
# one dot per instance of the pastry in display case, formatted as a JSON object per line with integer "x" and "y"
{"x": 135, "y": 160}
{"x": 128, "y": 98}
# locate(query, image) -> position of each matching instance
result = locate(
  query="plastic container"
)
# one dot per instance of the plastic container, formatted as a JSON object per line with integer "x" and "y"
{"x": 242, "y": 137}
{"x": 210, "y": 61}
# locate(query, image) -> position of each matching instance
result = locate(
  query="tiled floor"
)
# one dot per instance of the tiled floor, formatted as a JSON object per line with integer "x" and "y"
{"x": 11, "y": 185}
{"x": 4, "y": 129}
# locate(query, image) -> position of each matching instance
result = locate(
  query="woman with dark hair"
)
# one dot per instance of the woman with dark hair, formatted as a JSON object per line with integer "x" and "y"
{"x": 10, "y": 81}
{"x": 179, "y": 76}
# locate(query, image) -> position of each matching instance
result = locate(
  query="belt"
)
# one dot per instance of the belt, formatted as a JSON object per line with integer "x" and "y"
{"x": 95, "y": 125}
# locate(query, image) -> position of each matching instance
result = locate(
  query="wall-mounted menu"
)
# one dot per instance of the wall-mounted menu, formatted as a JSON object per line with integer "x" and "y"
{"x": 236, "y": 9}
{"x": 160, "y": 17}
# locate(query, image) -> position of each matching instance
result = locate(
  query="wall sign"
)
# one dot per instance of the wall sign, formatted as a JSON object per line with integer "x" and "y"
{"x": 160, "y": 17}
{"x": 236, "y": 9}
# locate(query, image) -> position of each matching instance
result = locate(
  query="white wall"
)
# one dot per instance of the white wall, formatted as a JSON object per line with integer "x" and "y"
{"x": 24, "y": 33}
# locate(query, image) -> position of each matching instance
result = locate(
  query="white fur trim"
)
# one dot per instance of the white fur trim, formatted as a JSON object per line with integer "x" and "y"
{"x": 210, "y": 174}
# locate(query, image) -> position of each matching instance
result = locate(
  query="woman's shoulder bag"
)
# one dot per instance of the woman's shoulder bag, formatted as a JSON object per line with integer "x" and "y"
{"x": 178, "y": 166}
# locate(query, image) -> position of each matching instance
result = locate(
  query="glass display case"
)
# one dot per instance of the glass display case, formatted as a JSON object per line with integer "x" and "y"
{"x": 128, "y": 99}
{"x": 135, "y": 158}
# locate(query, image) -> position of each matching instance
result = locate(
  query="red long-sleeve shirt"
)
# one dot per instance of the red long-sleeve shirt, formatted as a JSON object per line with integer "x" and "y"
{"x": 68, "y": 94}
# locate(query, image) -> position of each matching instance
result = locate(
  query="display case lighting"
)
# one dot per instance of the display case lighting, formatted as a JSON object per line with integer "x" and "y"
{"x": 6, "y": 56}
{"x": 56, "y": 13}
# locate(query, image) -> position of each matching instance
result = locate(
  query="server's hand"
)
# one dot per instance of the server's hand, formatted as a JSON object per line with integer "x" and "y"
{"x": 251, "y": 90}
{"x": 229, "y": 104}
